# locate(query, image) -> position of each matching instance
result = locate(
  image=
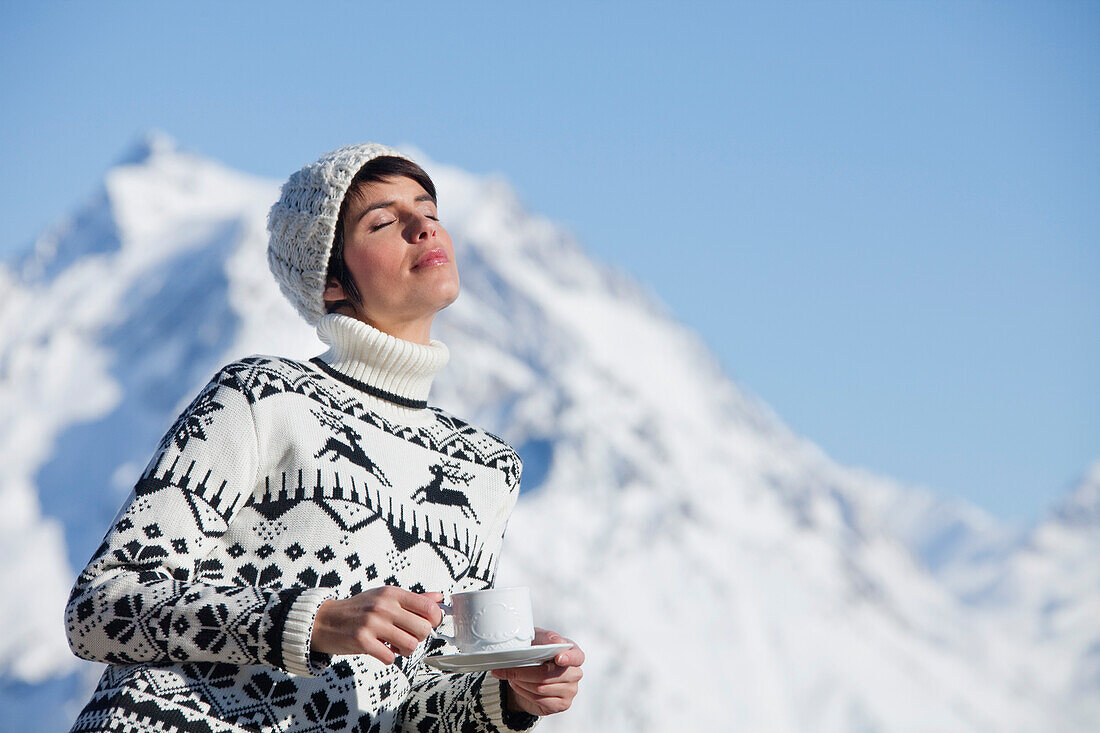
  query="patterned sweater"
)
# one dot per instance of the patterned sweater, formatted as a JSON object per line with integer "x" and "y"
{"x": 282, "y": 485}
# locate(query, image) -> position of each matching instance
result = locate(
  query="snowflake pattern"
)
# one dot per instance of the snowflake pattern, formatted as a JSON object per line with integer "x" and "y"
{"x": 198, "y": 415}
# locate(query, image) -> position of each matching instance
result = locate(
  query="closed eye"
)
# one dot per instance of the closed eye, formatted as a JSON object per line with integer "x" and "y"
{"x": 376, "y": 227}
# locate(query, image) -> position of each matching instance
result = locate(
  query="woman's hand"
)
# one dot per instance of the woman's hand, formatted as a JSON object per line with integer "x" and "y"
{"x": 548, "y": 688}
{"x": 382, "y": 622}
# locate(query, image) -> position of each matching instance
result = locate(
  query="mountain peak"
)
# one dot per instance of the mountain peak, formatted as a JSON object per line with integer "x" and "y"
{"x": 149, "y": 144}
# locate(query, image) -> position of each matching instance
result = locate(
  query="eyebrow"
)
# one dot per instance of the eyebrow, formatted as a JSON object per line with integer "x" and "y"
{"x": 384, "y": 204}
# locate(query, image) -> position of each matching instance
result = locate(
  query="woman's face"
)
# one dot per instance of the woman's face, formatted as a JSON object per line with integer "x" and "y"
{"x": 400, "y": 257}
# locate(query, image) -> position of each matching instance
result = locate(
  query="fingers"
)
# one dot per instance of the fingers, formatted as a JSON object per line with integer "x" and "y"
{"x": 548, "y": 673}
{"x": 436, "y": 617}
{"x": 382, "y": 622}
{"x": 570, "y": 657}
{"x": 423, "y": 605}
{"x": 400, "y": 620}
{"x": 377, "y": 630}
{"x": 538, "y": 704}
{"x": 399, "y": 640}
{"x": 378, "y": 650}
{"x": 414, "y": 613}
{"x": 536, "y": 690}
{"x": 413, "y": 625}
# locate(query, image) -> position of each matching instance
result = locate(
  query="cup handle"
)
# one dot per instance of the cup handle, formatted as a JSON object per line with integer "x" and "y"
{"x": 437, "y": 633}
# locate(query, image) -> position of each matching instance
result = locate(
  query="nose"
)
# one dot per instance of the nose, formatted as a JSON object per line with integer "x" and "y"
{"x": 423, "y": 228}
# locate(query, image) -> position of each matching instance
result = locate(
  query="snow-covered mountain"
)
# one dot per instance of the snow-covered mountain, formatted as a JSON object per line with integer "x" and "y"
{"x": 721, "y": 572}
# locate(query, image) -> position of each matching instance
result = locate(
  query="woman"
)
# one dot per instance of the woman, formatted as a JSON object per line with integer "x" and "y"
{"x": 278, "y": 564}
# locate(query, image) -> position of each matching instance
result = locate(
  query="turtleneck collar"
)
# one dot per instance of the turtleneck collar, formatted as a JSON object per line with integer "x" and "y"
{"x": 388, "y": 368}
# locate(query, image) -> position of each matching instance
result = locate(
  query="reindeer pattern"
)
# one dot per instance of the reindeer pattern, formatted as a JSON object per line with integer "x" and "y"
{"x": 435, "y": 492}
{"x": 349, "y": 448}
{"x": 441, "y": 512}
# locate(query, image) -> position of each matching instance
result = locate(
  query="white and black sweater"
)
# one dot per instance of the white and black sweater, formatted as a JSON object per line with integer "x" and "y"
{"x": 282, "y": 485}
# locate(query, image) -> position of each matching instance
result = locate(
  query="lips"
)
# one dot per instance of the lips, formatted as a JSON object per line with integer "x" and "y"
{"x": 432, "y": 257}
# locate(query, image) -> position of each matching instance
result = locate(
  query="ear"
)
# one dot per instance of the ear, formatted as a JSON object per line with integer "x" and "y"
{"x": 334, "y": 291}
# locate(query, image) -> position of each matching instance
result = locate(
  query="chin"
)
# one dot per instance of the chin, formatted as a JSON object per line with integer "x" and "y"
{"x": 446, "y": 301}
{"x": 440, "y": 294}
{"x": 449, "y": 292}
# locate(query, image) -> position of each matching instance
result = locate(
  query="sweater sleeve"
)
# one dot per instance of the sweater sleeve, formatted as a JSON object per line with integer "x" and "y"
{"x": 440, "y": 702}
{"x": 140, "y": 598}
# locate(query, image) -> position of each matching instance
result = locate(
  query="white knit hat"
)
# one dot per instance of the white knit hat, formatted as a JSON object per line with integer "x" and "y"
{"x": 302, "y": 224}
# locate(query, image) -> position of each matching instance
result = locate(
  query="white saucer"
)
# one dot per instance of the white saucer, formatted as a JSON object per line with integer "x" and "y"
{"x": 527, "y": 656}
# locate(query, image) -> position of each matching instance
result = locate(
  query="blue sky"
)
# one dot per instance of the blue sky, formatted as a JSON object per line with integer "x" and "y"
{"x": 883, "y": 217}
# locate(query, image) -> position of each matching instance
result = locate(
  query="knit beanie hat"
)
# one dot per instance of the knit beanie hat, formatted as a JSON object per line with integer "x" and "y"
{"x": 302, "y": 224}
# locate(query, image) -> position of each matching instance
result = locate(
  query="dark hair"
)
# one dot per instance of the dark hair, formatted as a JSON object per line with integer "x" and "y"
{"x": 377, "y": 169}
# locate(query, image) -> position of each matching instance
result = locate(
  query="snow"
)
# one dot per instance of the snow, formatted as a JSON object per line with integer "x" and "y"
{"x": 720, "y": 571}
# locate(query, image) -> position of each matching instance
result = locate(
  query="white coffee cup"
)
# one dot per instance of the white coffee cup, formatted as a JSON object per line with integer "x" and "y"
{"x": 490, "y": 620}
